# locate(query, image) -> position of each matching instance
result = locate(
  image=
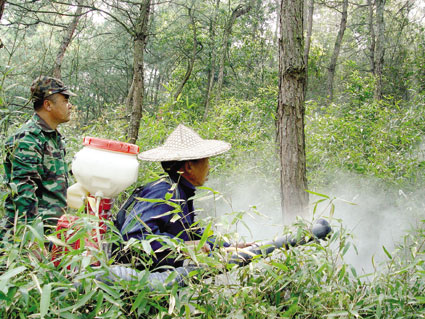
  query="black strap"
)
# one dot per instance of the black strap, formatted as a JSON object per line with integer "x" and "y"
{"x": 120, "y": 219}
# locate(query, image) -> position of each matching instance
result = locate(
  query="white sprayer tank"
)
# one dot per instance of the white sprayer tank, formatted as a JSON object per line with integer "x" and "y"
{"x": 103, "y": 168}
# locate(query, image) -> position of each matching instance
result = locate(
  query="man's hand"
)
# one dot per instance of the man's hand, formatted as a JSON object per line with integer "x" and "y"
{"x": 245, "y": 245}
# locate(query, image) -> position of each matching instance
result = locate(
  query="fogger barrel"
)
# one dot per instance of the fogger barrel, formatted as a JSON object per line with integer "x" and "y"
{"x": 102, "y": 168}
{"x": 320, "y": 230}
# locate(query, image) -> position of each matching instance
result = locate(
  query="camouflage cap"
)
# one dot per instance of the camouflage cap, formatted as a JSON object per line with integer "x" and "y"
{"x": 44, "y": 86}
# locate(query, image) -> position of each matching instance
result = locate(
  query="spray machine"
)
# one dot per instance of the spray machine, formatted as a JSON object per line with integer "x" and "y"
{"x": 105, "y": 168}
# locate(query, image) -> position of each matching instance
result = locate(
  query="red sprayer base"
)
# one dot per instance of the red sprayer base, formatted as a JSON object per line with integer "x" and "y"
{"x": 67, "y": 226}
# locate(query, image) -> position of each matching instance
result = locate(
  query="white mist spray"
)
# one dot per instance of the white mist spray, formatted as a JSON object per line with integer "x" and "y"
{"x": 375, "y": 220}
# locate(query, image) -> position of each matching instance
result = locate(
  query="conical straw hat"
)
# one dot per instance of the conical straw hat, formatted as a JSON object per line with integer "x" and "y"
{"x": 184, "y": 144}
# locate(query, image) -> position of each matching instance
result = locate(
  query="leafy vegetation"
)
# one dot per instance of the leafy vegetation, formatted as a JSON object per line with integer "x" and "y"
{"x": 311, "y": 281}
{"x": 355, "y": 133}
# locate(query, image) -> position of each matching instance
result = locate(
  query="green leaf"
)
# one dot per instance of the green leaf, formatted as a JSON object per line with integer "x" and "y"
{"x": 140, "y": 297}
{"x": 420, "y": 299}
{"x": 147, "y": 247}
{"x": 204, "y": 237}
{"x": 317, "y": 194}
{"x": 45, "y": 300}
{"x": 12, "y": 273}
{"x": 80, "y": 302}
{"x": 387, "y": 253}
{"x": 338, "y": 314}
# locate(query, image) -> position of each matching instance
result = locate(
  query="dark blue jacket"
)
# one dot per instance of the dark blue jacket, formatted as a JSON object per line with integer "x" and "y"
{"x": 160, "y": 216}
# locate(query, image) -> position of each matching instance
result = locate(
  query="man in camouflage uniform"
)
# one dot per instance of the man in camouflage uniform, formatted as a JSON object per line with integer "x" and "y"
{"x": 36, "y": 172}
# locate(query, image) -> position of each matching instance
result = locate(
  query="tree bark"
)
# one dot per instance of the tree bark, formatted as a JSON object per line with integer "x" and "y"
{"x": 310, "y": 11}
{"x": 337, "y": 48}
{"x": 372, "y": 37}
{"x": 57, "y": 68}
{"x": 192, "y": 58}
{"x": 211, "y": 75}
{"x": 136, "y": 94}
{"x": 237, "y": 12}
{"x": 290, "y": 111}
{"x": 380, "y": 48}
{"x": 2, "y": 5}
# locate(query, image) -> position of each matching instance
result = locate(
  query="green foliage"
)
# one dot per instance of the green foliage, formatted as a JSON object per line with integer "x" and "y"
{"x": 310, "y": 281}
{"x": 374, "y": 139}
{"x": 379, "y": 139}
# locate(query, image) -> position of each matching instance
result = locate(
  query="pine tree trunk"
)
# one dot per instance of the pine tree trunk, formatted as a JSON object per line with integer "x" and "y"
{"x": 137, "y": 93}
{"x": 290, "y": 111}
{"x": 380, "y": 48}
{"x": 310, "y": 11}
{"x": 192, "y": 58}
{"x": 372, "y": 37}
{"x": 240, "y": 10}
{"x": 337, "y": 48}
{"x": 2, "y": 5}
{"x": 213, "y": 54}
{"x": 57, "y": 68}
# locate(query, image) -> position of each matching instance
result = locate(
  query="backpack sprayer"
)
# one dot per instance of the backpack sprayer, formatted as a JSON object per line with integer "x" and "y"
{"x": 103, "y": 169}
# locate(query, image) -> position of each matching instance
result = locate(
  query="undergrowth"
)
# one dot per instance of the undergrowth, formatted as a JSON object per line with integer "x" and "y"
{"x": 310, "y": 281}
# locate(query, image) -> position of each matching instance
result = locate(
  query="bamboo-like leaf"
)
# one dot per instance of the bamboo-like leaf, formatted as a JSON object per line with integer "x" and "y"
{"x": 387, "y": 253}
{"x": 79, "y": 303}
{"x": 12, "y": 273}
{"x": 45, "y": 300}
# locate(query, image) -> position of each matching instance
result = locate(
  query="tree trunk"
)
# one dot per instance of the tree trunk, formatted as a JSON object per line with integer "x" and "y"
{"x": 192, "y": 58}
{"x": 136, "y": 94}
{"x": 237, "y": 12}
{"x": 2, "y": 5}
{"x": 337, "y": 48}
{"x": 290, "y": 111}
{"x": 157, "y": 87}
{"x": 277, "y": 22}
{"x": 310, "y": 11}
{"x": 380, "y": 48}
{"x": 66, "y": 41}
{"x": 372, "y": 37}
{"x": 211, "y": 75}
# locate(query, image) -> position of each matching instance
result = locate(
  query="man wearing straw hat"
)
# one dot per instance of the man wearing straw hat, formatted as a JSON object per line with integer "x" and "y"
{"x": 185, "y": 158}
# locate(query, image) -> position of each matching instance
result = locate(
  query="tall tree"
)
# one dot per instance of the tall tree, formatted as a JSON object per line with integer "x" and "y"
{"x": 290, "y": 110}
{"x": 380, "y": 48}
{"x": 337, "y": 48}
{"x": 212, "y": 58}
{"x": 372, "y": 37}
{"x": 136, "y": 93}
{"x": 237, "y": 12}
{"x": 310, "y": 12}
{"x": 191, "y": 58}
{"x": 69, "y": 32}
{"x": 2, "y": 5}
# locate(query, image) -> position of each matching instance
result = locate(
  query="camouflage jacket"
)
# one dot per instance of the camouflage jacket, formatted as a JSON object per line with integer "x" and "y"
{"x": 36, "y": 172}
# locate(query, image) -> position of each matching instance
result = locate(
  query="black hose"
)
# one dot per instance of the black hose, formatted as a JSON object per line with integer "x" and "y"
{"x": 320, "y": 230}
{"x": 118, "y": 273}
